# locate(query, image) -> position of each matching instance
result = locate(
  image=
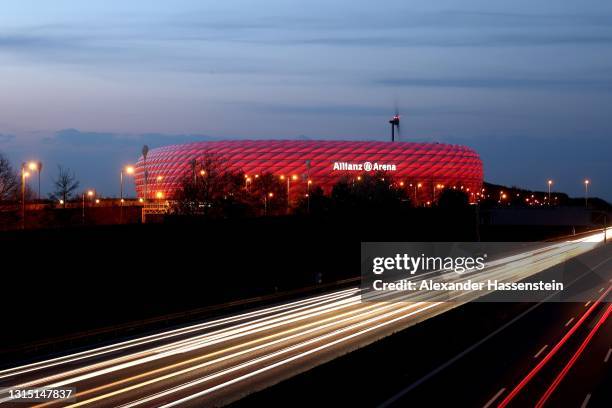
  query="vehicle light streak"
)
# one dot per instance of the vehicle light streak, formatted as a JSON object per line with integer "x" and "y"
{"x": 574, "y": 358}
{"x": 552, "y": 352}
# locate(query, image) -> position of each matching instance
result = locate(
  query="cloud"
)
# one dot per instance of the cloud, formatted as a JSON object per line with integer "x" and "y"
{"x": 379, "y": 18}
{"x": 510, "y": 83}
{"x": 469, "y": 39}
{"x": 5, "y": 138}
{"x": 350, "y": 110}
{"x": 402, "y": 28}
{"x": 75, "y": 138}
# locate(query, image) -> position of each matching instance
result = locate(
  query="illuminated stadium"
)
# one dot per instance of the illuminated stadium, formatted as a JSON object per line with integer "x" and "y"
{"x": 424, "y": 168}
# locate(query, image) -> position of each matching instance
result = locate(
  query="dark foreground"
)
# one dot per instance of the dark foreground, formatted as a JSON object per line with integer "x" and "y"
{"x": 220, "y": 361}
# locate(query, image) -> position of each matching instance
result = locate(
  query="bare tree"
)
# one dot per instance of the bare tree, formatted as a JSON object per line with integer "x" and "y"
{"x": 65, "y": 184}
{"x": 209, "y": 189}
{"x": 8, "y": 180}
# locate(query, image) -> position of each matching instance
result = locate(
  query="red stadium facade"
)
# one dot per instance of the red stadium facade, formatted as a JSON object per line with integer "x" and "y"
{"x": 423, "y": 168}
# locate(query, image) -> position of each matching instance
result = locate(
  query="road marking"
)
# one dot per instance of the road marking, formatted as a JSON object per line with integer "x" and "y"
{"x": 569, "y": 322}
{"x": 541, "y": 351}
{"x": 601, "y": 290}
{"x": 587, "y": 303}
{"x": 608, "y": 355}
{"x": 492, "y": 400}
{"x": 586, "y": 401}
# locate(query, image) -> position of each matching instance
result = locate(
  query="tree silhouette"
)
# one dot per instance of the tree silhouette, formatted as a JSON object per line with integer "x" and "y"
{"x": 8, "y": 180}
{"x": 451, "y": 198}
{"x": 65, "y": 184}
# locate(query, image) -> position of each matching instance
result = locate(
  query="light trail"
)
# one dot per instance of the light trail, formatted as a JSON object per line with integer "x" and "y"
{"x": 551, "y": 353}
{"x": 574, "y": 358}
{"x": 201, "y": 360}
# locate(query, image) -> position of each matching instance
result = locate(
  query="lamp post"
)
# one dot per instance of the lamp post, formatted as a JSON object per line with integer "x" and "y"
{"x": 129, "y": 170}
{"x": 586, "y": 192}
{"x": 145, "y": 172}
{"x": 416, "y": 187}
{"x": 266, "y": 202}
{"x": 289, "y": 179}
{"x": 436, "y": 187}
{"x": 37, "y": 167}
{"x": 308, "y": 196}
{"x": 90, "y": 194}
{"x": 550, "y": 182}
{"x": 24, "y": 175}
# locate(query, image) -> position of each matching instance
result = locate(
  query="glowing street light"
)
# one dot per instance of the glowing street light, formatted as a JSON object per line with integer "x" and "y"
{"x": 550, "y": 182}
{"x": 36, "y": 167}
{"x": 270, "y": 195}
{"x": 416, "y": 187}
{"x": 129, "y": 170}
{"x": 159, "y": 195}
{"x": 24, "y": 176}
{"x": 437, "y": 187}
{"x": 90, "y": 194}
{"x": 294, "y": 177}
{"x": 586, "y": 192}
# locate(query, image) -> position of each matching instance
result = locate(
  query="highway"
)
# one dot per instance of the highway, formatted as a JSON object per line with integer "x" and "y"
{"x": 219, "y": 361}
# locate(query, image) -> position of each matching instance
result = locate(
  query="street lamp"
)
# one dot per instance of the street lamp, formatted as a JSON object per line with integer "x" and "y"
{"x": 266, "y": 202}
{"x": 437, "y": 187}
{"x": 416, "y": 187}
{"x": 90, "y": 194}
{"x": 586, "y": 192}
{"x": 37, "y": 167}
{"x": 289, "y": 179}
{"x": 24, "y": 176}
{"x": 550, "y": 182}
{"x": 308, "y": 196}
{"x": 129, "y": 170}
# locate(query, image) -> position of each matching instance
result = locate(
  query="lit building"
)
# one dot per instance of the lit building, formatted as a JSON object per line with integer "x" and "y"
{"x": 424, "y": 169}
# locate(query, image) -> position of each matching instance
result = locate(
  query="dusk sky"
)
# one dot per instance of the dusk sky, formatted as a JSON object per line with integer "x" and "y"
{"x": 527, "y": 84}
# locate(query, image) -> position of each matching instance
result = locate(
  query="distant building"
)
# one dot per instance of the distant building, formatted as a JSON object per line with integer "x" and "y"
{"x": 423, "y": 169}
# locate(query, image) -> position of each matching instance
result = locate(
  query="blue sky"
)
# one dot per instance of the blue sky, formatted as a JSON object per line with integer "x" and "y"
{"x": 85, "y": 84}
